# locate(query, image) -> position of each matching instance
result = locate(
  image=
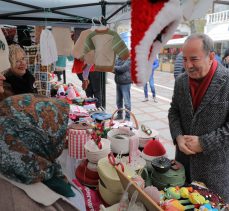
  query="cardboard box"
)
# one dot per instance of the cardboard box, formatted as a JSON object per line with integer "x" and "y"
{"x": 167, "y": 67}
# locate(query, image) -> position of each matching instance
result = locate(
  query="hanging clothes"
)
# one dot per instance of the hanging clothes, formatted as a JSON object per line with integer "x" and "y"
{"x": 61, "y": 63}
{"x": 32, "y": 56}
{"x": 38, "y": 30}
{"x": 77, "y": 66}
{"x": 24, "y": 37}
{"x": 78, "y": 48}
{"x": 107, "y": 44}
{"x": 48, "y": 48}
{"x": 63, "y": 40}
{"x": 10, "y": 33}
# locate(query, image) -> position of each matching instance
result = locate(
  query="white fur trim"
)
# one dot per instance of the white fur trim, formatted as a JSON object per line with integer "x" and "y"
{"x": 149, "y": 158}
{"x": 187, "y": 7}
{"x": 195, "y": 9}
{"x": 170, "y": 15}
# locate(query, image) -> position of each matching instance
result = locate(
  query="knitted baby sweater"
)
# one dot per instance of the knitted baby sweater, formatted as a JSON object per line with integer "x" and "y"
{"x": 107, "y": 44}
{"x": 78, "y": 48}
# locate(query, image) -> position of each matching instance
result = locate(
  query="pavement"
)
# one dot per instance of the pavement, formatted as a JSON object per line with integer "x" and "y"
{"x": 154, "y": 115}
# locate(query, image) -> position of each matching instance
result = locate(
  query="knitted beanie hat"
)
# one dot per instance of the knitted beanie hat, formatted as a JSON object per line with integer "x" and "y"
{"x": 4, "y": 53}
{"x": 153, "y": 24}
{"x": 154, "y": 148}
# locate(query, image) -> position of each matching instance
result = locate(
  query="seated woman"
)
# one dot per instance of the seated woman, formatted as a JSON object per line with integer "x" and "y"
{"x": 32, "y": 134}
{"x": 18, "y": 79}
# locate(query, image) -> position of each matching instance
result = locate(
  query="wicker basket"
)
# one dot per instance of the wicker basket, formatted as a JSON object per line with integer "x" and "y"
{"x": 93, "y": 153}
{"x": 144, "y": 138}
{"x": 108, "y": 196}
{"x": 119, "y": 137}
{"x": 109, "y": 176}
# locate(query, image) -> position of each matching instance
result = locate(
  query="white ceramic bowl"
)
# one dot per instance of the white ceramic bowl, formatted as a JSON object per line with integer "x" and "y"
{"x": 119, "y": 146}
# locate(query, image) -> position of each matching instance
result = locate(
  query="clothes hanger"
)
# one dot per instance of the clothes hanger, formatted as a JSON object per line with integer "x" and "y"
{"x": 46, "y": 21}
{"x": 101, "y": 26}
{"x": 93, "y": 27}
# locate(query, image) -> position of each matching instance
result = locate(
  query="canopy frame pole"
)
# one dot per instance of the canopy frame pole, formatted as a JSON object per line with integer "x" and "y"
{"x": 103, "y": 74}
{"x": 115, "y": 12}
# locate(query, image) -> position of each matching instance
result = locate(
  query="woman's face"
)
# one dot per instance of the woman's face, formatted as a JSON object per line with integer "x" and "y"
{"x": 2, "y": 78}
{"x": 20, "y": 66}
{"x": 227, "y": 59}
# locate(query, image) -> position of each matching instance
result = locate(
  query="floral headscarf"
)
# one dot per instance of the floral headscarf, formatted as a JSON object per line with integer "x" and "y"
{"x": 32, "y": 133}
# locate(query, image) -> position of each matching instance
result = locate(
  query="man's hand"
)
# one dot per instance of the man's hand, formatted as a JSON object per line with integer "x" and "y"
{"x": 193, "y": 143}
{"x": 181, "y": 141}
{"x": 85, "y": 84}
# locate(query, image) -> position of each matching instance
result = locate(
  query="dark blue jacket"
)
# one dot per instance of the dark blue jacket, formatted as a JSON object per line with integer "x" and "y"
{"x": 122, "y": 71}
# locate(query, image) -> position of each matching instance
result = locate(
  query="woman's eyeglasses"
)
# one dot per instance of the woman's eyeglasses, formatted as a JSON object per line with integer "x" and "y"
{"x": 19, "y": 61}
{"x": 146, "y": 130}
{"x": 2, "y": 45}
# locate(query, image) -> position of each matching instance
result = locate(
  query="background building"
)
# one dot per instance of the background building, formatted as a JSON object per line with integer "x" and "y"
{"x": 215, "y": 24}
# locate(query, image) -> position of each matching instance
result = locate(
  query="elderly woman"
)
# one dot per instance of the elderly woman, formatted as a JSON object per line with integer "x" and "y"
{"x": 18, "y": 79}
{"x": 32, "y": 133}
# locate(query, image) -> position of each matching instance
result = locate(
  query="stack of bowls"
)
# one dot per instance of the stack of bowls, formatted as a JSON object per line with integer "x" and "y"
{"x": 93, "y": 153}
{"x": 110, "y": 186}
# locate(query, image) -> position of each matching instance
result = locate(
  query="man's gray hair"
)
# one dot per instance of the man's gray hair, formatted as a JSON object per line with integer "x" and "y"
{"x": 208, "y": 44}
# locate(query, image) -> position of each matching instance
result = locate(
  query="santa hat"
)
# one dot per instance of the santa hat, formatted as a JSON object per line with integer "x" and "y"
{"x": 4, "y": 53}
{"x": 153, "y": 148}
{"x": 153, "y": 24}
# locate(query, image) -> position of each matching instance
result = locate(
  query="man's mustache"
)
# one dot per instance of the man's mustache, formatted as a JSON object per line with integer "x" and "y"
{"x": 191, "y": 69}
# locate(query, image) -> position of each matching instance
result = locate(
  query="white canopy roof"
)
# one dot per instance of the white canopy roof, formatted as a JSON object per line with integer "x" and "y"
{"x": 59, "y": 12}
{"x": 175, "y": 42}
{"x": 219, "y": 32}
